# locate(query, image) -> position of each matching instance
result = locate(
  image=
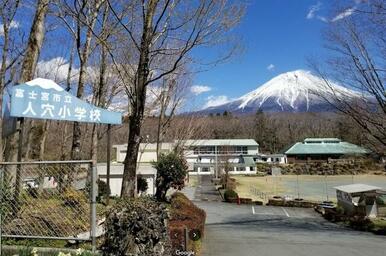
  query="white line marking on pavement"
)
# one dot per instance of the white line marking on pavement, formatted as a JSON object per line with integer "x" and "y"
{"x": 253, "y": 210}
{"x": 286, "y": 213}
{"x": 265, "y": 214}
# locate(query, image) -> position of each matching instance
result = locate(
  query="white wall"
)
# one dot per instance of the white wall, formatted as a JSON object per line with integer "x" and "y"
{"x": 253, "y": 150}
{"x": 147, "y": 151}
{"x": 115, "y": 186}
{"x": 116, "y": 170}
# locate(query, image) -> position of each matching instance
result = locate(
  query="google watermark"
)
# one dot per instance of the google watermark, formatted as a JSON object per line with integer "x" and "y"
{"x": 184, "y": 253}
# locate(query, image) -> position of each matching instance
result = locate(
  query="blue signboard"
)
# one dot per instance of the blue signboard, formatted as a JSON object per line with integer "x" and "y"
{"x": 53, "y": 102}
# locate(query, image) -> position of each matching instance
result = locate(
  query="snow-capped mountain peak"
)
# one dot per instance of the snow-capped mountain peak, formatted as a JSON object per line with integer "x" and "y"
{"x": 295, "y": 91}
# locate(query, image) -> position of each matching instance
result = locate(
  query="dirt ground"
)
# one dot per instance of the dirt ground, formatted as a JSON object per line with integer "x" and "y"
{"x": 311, "y": 187}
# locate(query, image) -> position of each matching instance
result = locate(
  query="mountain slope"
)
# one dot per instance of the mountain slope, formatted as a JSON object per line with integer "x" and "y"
{"x": 296, "y": 91}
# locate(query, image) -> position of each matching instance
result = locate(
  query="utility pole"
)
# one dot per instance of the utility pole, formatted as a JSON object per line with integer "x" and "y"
{"x": 216, "y": 167}
{"x": 108, "y": 159}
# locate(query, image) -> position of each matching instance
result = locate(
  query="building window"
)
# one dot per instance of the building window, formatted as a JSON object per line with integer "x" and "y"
{"x": 205, "y": 169}
{"x": 240, "y": 169}
{"x": 224, "y": 150}
{"x": 205, "y": 150}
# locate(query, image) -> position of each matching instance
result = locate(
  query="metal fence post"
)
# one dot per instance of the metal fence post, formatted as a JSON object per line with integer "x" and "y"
{"x": 93, "y": 205}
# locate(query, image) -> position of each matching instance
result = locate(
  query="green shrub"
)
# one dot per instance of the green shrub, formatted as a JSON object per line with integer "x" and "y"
{"x": 171, "y": 172}
{"x": 103, "y": 190}
{"x": 141, "y": 184}
{"x": 340, "y": 210}
{"x": 361, "y": 223}
{"x": 263, "y": 167}
{"x": 229, "y": 194}
{"x": 137, "y": 226}
{"x": 185, "y": 214}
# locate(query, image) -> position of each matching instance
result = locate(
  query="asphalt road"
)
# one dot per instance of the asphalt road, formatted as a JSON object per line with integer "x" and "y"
{"x": 205, "y": 190}
{"x": 277, "y": 231}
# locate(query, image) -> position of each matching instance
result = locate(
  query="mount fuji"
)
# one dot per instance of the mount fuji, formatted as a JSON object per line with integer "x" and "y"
{"x": 295, "y": 91}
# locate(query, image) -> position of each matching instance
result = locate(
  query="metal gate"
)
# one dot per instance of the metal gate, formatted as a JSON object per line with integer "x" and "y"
{"x": 48, "y": 200}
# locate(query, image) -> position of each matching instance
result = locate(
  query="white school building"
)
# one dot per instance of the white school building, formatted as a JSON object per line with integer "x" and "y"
{"x": 204, "y": 157}
{"x": 213, "y": 156}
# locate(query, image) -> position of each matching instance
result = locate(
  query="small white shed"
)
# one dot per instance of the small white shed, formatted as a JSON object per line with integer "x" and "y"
{"x": 358, "y": 199}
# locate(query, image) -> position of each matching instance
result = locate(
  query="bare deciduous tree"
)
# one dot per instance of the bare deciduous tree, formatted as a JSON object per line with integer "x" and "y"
{"x": 80, "y": 18}
{"x": 357, "y": 44}
{"x": 160, "y": 29}
{"x": 171, "y": 95}
{"x": 8, "y": 10}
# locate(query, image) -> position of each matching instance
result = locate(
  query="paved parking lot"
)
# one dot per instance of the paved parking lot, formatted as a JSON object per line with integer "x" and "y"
{"x": 280, "y": 231}
{"x": 289, "y": 212}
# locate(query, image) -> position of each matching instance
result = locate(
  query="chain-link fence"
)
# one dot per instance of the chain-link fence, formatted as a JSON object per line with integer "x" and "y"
{"x": 48, "y": 200}
{"x": 309, "y": 187}
{"x": 261, "y": 195}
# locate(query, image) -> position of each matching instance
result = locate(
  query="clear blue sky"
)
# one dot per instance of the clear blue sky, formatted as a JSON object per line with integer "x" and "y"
{"x": 276, "y": 32}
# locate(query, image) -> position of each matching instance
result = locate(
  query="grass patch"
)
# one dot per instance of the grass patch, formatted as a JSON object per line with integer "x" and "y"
{"x": 268, "y": 185}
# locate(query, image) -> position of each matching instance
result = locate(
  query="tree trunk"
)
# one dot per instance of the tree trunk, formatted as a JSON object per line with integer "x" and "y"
{"x": 138, "y": 105}
{"x": 31, "y": 57}
{"x": 35, "y": 42}
{"x": 130, "y": 163}
{"x": 76, "y": 131}
{"x": 43, "y": 140}
{"x": 2, "y": 84}
{"x": 159, "y": 125}
{"x": 83, "y": 53}
{"x": 94, "y": 143}
{"x": 100, "y": 93}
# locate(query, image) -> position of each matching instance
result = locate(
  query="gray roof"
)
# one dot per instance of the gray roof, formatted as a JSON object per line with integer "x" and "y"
{"x": 221, "y": 142}
{"x": 170, "y": 145}
{"x": 319, "y": 146}
{"x": 357, "y": 188}
{"x": 322, "y": 139}
{"x": 147, "y": 146}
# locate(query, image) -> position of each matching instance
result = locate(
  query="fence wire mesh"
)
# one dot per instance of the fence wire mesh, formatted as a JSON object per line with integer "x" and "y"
{"x": 309, "y": 187}
{"x": 46, "y": 199}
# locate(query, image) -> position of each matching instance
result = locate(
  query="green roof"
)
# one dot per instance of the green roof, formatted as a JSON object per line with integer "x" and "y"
{"x": 325, "y": 146}
{"x": 249, "y": 160}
